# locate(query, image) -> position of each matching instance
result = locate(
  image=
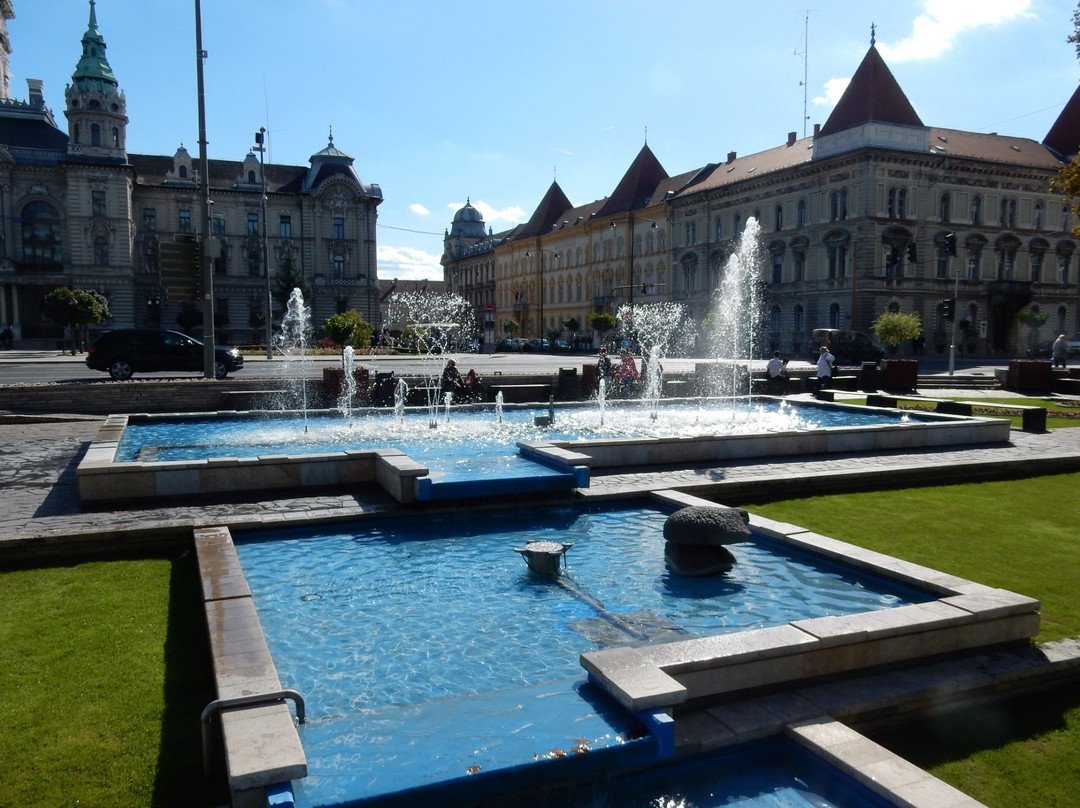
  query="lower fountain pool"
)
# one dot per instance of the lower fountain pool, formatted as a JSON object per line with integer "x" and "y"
{"x": 430, "y": 656}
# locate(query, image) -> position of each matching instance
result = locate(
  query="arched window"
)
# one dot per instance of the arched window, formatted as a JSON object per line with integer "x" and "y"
{"x": 41, "y": 234}
{"x": 182, "y": 172}
{"x": 251, "y": 178}
{"x": 339, "y": 266}
{"x": 101, "y": 251}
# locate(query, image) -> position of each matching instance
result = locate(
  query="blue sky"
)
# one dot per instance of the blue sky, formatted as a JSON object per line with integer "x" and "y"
{"x": 443, "y": 101}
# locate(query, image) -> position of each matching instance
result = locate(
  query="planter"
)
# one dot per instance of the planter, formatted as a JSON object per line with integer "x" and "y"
{"x": 1029, "y": 376}
{"x": 899, "y": 374}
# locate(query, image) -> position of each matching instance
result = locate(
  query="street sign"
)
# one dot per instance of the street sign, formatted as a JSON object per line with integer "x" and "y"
{"x": 490, "y": 309}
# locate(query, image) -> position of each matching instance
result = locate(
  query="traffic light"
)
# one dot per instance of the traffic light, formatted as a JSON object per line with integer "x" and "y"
{"x": 912, "y": 253}
{"x": 950, "y": 243}
{"x": 948, "y": 308}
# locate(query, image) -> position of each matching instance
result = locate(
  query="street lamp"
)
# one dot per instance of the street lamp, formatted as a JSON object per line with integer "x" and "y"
{"x": 541, "y": 279}
{"x": 260, "y": 147}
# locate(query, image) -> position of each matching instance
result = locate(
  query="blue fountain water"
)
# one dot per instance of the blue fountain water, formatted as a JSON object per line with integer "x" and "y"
{"x": 429, "y": 654}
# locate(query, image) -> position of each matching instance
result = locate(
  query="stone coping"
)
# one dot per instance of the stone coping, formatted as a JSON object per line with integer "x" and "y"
{"x": 965, "y": 616}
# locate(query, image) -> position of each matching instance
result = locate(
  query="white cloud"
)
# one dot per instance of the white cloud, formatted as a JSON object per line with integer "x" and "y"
{"x": 419, "y": 209}
{"x": 834, "y": 88}
{"x": 935, "y": 30}
{"x": 511, "y": 215}
{"x": 408, "y": 264}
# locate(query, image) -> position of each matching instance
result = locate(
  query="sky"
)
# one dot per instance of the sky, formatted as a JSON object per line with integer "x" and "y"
{"x": 490, "y": 101}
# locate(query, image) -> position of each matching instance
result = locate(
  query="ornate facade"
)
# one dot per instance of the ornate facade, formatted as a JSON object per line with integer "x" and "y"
{"x": 875, "y": 212}
{"x": 79, "y": 210}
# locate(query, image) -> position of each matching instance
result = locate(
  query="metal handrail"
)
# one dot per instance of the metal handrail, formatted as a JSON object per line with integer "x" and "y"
{"x": 218, "y": 705}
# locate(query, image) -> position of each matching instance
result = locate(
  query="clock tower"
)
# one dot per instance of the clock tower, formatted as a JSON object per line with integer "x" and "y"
{"x": 96, "y": 107}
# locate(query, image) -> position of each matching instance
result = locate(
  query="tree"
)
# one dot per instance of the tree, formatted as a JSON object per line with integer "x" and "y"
{"x": 603, "y": 322}
{"x": 290, "y": 275}
{"x": 75, "y": 310}
{"x": 348, "y": 328}
{"x": 1034, "y": 320}
{"x": 510, "y": 327}
{"x": 893, "y": 327}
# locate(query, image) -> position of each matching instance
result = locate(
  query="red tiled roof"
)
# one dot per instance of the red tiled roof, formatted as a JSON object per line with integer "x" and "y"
{"x": 635, "y": 189}
{"x": 872, "y": 95}
{"x": 547, "y": 213}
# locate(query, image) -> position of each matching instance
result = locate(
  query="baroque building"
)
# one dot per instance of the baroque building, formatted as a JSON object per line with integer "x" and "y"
{"x": 79, "y": 210}
{"x": 875, "y": 212}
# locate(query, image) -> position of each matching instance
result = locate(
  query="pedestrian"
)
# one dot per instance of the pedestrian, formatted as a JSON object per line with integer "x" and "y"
{"x": 1059, "y": 350}
{"x": 778, "y": 378}
{"x": 627, "y": 372}
{"x": 826, "y": 364}
{"x": 7, "y": 339}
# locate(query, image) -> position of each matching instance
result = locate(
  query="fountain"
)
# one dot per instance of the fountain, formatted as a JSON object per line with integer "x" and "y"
{"x": 293, "y": 341}
{"x": 734, "y": 323}
{"x": 434, "y": 324}
{"x": 348, "y": 388}
{"x": 660, "y": 329}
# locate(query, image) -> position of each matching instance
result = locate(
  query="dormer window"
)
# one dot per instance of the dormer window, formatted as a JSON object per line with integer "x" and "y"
{"x": 251, "y": 178}
{"x": 182, "y": 172}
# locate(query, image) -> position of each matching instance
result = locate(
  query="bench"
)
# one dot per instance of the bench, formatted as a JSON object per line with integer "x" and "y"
{"x": 1033, "y": 418}
{"x": 521, "y": 393}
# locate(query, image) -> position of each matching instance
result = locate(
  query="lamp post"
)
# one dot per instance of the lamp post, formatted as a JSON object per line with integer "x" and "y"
{"x": 206, "y": 266}
{"x": 260, "y": 147}
{"x": 540, "y": 327}
{"x": 950, "y": 251}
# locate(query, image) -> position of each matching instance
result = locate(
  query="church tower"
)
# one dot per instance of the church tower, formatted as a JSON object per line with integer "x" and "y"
{"x": 96, "y": 107}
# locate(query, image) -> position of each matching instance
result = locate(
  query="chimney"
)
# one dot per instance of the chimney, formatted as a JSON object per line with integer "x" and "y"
{"x": 791, "y": 138}
{"x": 817, "y": 129}
{"x": 731, "y": 157}
{"x": 37, "y": 99}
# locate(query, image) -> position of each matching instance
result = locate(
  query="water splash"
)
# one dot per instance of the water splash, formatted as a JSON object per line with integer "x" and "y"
{"x": 434, "y": 325}
{"x": 499, "y": 407}
{"x": 293, "y": 341}
{"x": 348, "y": 385}
{"x": 661, "y": 329}
{"x": 401, "y": 395}
{"x": 735, "y": 318}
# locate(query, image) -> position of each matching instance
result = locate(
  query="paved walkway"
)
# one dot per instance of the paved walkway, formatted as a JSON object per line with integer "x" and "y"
{"x": 39, "y": 496}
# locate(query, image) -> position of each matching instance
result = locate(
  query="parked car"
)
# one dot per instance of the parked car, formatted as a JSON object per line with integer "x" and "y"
{"x": 124, "y": 351}
{"x": 849, "y": 347}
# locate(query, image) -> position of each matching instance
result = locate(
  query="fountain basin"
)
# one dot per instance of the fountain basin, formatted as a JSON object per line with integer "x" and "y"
{"x": 409, "y": 471}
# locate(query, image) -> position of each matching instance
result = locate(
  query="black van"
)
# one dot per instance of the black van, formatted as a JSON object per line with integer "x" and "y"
{"x": 849, "y": 347}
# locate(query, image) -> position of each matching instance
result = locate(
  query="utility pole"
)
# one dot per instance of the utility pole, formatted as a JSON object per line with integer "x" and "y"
{"x": 260, "y": 147}
{"x": 205, "y": 262}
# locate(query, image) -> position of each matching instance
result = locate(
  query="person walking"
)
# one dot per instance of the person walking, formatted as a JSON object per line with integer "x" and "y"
{"x": 1059, "y": 350}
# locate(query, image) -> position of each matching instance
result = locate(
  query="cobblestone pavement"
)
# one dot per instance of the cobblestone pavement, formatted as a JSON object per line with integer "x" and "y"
{"x": 39, "y": 495}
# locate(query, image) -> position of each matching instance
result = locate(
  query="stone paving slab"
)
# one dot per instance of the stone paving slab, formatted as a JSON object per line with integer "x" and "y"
{"x": 39, "y": 496}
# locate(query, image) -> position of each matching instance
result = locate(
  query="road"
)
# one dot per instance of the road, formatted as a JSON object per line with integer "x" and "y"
{"x": 22, "y": 367}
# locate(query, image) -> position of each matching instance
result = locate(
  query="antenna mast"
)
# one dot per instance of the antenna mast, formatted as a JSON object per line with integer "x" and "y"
{"x": 804, "y": 54}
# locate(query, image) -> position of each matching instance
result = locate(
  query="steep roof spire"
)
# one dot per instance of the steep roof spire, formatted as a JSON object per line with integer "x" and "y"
{"x": 547, "y": 213}
{"x": 636, "y": 187}
{"x": 872, "y": 95}
{"x": 1064, "y": 135}
{"x": 93, "y": 71}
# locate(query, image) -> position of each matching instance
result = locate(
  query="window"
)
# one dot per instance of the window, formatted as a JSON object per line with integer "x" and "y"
{"x": 942, "y": 262}
{"x": 736, "y": 225}
{"x": 945, "y": 207}
{"x": 976, "y": 210}
{"x": 253, "y": 224}
{"x": 218, "y": 224}
{"x": 254, "y": 262}
{"x": 183, "y": 223}
{"x": 95, "y": 134}
{"x": 838, "y": 205}
{"x": 149, "y": 218}
{"x": 774, "y": 319}
{"x": 718, "y": 229}
{"x": 76, "y": 134}
{"x": 893, "y": 266}
{"x": 182, "y": 172}
{"x": 897, "y": 205}
{"x": 1005, "y": 259}
{"x": 339, "y": 227}
{"x": 1008, "y": 213}
{"x": 691, "y": 233}
{"x": 800, "y": 214}
{"x": 339, "y": 266}
{"x": 834, "y": 315}
{"x": 251, "y": 178}
{"x": 800, "y": 265}
{"x": 689, "y": 274}
{"x": 1036, "y": 266}
{"x": 97, "y": 202}
{"x": 974, "y": 263}
{"x": 1063, "y": 267}
{"x": 778, "y": 268}
{"x": 1037, "y": 216}
{"x": 798, "y": 323}
{"x": 221, "y": 266}
{"x": 285, "y": 226}
{"x": 101, "y": 251}
{"x": 837, "y": 260}
{"x": 116, "y": 138}
{"x": 778, "y": 217}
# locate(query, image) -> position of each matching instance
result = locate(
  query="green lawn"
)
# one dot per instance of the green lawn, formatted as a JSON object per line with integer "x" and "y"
{"x": 106, "y": 664}
{"x": 1019, "y": 535}
{"x": 106, "y": 672}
